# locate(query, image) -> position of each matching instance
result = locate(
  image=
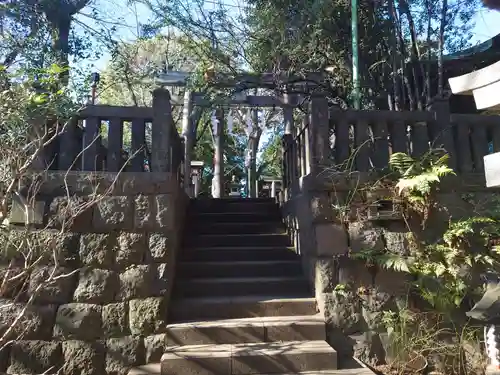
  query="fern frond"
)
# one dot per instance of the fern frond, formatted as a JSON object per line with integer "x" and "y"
{"x": 401, "y": 162}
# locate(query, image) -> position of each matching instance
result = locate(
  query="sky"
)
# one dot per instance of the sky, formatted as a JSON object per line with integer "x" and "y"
{"x": 126, "y": 19}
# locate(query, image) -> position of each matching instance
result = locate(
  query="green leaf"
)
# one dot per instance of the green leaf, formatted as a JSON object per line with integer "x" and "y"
{"x": 440, "y": 270}
{"x": 39, "y": 99}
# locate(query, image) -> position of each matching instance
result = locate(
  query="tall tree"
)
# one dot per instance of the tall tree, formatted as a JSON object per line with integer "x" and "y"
{"x": 399, "y": 44}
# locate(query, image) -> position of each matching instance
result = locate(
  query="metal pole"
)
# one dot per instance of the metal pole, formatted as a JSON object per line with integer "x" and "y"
{"x": 356, "y": 96}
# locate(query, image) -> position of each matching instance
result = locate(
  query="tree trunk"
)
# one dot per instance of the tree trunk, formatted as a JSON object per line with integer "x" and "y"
{"x": 394, "y": 57}
{"x": 253, "y": 146}
{"x": 429, "y": 55}
{"x": 442, "y": 26}
{"x": 218, "y": 179}
{"x": 415, "y": 55}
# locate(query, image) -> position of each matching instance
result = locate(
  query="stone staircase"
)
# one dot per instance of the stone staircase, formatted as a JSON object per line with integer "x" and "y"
{"x": 240, "y": 303}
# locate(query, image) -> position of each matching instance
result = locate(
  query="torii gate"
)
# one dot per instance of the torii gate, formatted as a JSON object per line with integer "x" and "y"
{"x": 240, "y": 83}
{"x": 484, "y": 85}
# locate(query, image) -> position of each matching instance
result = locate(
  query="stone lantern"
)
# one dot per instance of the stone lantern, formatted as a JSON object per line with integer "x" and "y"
{"x": 487, "y": 310}
{"x": 196, "y": 172}
{"x": 234, "y": 188}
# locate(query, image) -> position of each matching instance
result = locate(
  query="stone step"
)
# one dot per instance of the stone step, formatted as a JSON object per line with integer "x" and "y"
{"x": 200, "y": 218}
{"x": 155, "y": 369}
{"x": 238, "y": 253}
{"x": 235, "y": 331}
{"x": 206, "y": 240}
{"x": 242, "y": 228}
{"x": 189, "y": 309}
{"x": 237, "y": 286}
{"x": 250, "y": 358}
{"x": 238, "y": 269}
{"x": 233, "y": 205}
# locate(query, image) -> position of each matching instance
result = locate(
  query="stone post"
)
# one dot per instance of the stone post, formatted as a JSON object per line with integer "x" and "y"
{"x": 287, "y": 167}
{"x": 288, "y": 113}
{"x": 318, "y": 130}
{"x": 161, "y": 134}
{"x": 441, "y": 132}
{"x": 218, "y": 179}
{"x": 273, "y": 189}
{"x": 187, "y": 134}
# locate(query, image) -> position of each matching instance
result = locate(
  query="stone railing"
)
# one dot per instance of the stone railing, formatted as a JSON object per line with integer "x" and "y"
{"x": 97, "y": 300}
{"x": 322, "y": 174}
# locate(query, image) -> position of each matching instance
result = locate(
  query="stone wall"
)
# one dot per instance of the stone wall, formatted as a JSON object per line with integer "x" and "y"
{"x": 326, "y": 245}
{"x": 100, "y": 292}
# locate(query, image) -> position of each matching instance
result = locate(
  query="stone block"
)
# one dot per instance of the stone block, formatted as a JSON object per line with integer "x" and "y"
{"x": 64, "y": 247}
{"x": 154, "y": 212}
{"x": 115, "y": 319}
{"x": 143, "y": 212}
{"x": 458, "y": 208}
{"x": 113, "y": 213}
{"x": 354, "y": 273}
{"x": 114, "y": 183}
{"x": 342, "y": 310}
{"x": 321, "y": 208}
{"x": 133, "y": 183}
{"x": 368, "y": 348}
{"x": 96, "y": 286}
{"x": 164, "y": 211}
{"x": 98, "y": 250}
{"x": 331, "y": 239}
{"x": 325, "y": 274}
{"x": 35, "y": 324}
{"x": 13, "y": 281}
{"x": 164, "y": 274}
{"x": 392, "y": 282}
{"x": 43, "y": 244}
{"x": 364, "y": 236}
{"x": 138, "y": 281}
{"x": 343, "y": 344}
{"x": 124, "y": 353}
{"x": 155, "y": 347}
{"x": 26, "y": 214}
{"x": 35, "y": 357}
{"x": 51, "y": 284}
{"x": 160, "y": 246}
{"x": 374, "y": 304}
{"x": 147, "y": 316}
{"x": 80, "y": 321}
{"x": 398, "y": 239}
{"x": 73, "y": 212}
{"x": 83, "y": 357}
{"x": 131, "y": 249}
{"x": 4, "y": 358}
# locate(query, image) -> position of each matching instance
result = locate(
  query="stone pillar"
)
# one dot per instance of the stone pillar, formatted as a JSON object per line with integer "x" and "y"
{"x": 161, "y": 134}
{"x": 273, "y": 189}
{"x": 330, "y": 241}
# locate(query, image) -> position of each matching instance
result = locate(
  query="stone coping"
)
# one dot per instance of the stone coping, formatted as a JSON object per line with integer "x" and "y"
{"x": 84, "y": 183}
{"x": 345, "y": 181}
